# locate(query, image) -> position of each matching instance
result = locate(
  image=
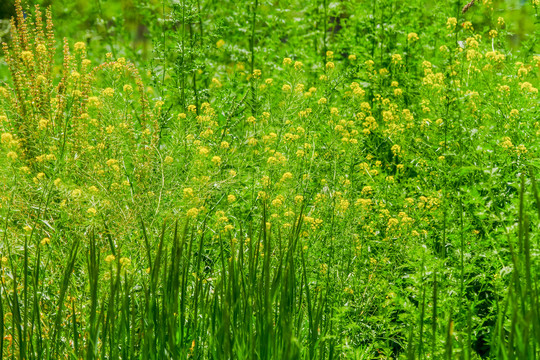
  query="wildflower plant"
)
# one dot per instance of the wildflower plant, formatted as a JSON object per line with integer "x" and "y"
{"x": 339, "y": 182}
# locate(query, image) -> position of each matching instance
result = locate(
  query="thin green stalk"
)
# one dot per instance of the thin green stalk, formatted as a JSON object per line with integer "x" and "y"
{"x": 252, "y": 50}
{"x": 434, "y": 317}
{"x": 57, "y": 329}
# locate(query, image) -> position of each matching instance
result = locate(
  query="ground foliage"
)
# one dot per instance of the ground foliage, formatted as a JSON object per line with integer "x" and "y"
{"x": 261, "y": 180}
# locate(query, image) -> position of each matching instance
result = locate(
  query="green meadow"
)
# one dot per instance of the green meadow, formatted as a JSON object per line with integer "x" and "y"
{"x": 269, "y": 179}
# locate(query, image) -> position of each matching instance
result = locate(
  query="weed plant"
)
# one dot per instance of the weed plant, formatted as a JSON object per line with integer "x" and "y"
{"x": 360, "y": 184}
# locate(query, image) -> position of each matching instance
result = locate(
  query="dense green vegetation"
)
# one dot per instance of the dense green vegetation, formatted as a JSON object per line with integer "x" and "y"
{"x": 270, "y": 180}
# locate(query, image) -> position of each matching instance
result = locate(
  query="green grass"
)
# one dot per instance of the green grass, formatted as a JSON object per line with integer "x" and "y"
{"x": 294, "y": 180}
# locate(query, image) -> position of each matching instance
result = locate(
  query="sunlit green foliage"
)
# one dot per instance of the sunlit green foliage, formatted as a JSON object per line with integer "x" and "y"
{"x": 262, "y": 180}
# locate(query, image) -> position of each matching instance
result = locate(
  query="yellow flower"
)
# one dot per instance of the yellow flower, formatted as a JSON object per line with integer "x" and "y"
{"x": 412, "y": 36}
{"x": 521, "y": 149}
{"x": 451, "y": 23}
{"x": 43, "y": 123}
{"x": 168, "y": 160}
{"x": 286, "y": 176}
{"x": 108, "y": 92}
{"x": 192, "y": 108}
{"x": 203, "y": 150}
{"x": 286, "y": 88}
{"x": 12, "y": 155}
{"x": 41, "y": 48}
{"x": 80, "y": 46}
{"x": 6, "y": 138}
{"x": 467, "y": 25}
{"x": 367, "y": 190}
{"x": 125, "y": 261}
{"x": 287, "y": 61}
{"x": 330, "y": 65}
{"x": 277, "y": 202}
{"x": 392, "y": 222}
{"x": 220, "y": 43}
{"x": 27, "y": 56}
{"x": 231, "y": 198}
{"x": 91, "y": 211}
{"x": 45, "y": 241}
{"x": 216, "y": 160}
{"x": 527, "y": 86}
{"x": 110, "y": 258}
{"x": 94, "y": 101}
{"x": 193, "y": 212}
{"x": 396, "y": 58}
{"x": 188, "y": 192}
